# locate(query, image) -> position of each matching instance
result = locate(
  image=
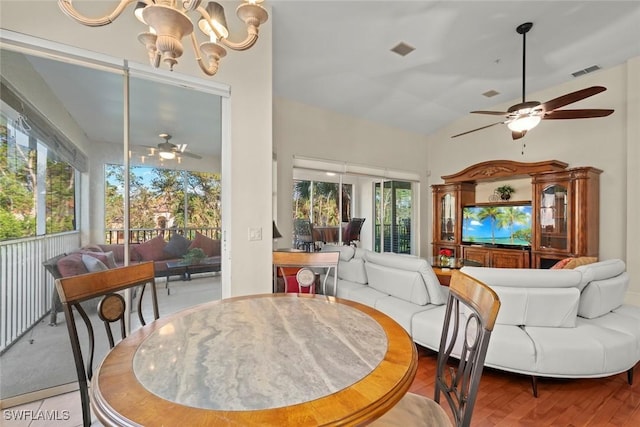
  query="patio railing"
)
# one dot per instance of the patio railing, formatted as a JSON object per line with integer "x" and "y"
{"x": 25, "y": 286}
{"x": 139, "y": 235}
{"x": 397, "y": 238}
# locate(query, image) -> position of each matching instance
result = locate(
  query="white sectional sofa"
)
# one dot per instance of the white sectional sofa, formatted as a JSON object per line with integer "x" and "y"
{"x": 552, "y": 323}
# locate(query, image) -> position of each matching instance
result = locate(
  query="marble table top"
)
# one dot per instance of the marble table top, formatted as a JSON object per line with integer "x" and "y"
{"x": 259, "y": 353}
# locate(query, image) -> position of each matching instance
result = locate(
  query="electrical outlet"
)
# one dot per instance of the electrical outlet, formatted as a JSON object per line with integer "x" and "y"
{"x": 255, "y": 234}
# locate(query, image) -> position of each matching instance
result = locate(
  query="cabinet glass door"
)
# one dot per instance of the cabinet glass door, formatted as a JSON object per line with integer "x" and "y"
{"x": 553, "y": 217}
{"x": 447, "y": 217}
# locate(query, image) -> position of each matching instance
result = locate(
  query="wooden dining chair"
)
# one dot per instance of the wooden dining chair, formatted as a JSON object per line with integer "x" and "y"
{"x": 470, "y": 315}
{"x": 300, "y": 269}
{"x": 105, "y": 285}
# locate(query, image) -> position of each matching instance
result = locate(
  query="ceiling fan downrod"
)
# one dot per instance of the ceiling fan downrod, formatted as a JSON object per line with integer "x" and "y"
{"x": 524, "y": 29}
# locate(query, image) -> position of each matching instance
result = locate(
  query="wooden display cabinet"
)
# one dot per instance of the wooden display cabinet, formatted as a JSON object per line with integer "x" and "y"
{"x": 448, "y": 200}
{"x": 566, "y": 217}
{"x": 565, "y": 210}
{"x": 497, "y": 257}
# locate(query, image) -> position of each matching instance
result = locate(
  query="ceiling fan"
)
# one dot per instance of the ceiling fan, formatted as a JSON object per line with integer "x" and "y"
{"x": 170, "y": 151}
{"x": 521, "y": 118}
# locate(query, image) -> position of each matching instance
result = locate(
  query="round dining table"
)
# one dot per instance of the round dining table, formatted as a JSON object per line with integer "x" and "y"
{"x": 270, "y": 359}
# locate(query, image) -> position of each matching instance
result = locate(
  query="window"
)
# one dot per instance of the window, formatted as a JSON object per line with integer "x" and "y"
{"x": 320, "y": 202}
{"x": 162, "y": 200}
{"x": 37, "y": 187}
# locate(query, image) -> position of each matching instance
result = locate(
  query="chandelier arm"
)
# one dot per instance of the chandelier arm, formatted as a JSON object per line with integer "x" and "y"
{"x": 252, "y": 38}
{"x": 191, "y": 4}
{"x": 208, "y": 69}
{"x": 67, "y": 7}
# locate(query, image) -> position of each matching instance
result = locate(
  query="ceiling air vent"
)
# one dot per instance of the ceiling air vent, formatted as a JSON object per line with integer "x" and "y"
{"x": 403, "y": 49}
{"x": 586, "y": 71}
{"x": 491, "y": 93}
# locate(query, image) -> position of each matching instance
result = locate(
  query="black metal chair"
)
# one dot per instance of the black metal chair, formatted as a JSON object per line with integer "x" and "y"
{"x": 352, "y": 233}
{"x": 303, "y": 235}
{"x": 470, "y": 315}
{"x": 105, "y": 285}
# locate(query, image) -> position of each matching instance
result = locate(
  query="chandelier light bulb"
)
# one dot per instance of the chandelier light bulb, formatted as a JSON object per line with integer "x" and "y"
{"x": 169, "y": 23}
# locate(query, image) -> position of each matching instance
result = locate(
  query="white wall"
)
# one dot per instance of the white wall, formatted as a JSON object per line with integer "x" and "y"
{"x": 247, "y": 183}
{"x": 302, "y": 130}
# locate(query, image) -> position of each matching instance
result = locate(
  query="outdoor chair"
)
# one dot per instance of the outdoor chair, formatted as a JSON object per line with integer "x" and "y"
{"x": 105, "y": 285}
{"x": 301, "y": 270}
{"x": 352, "y": 232}
{"x": 470, "y": 315}
{"x": 303, "y": 235}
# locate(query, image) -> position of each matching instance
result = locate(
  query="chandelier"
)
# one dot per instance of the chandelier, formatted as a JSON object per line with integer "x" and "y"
{"x": 168, "y": 23}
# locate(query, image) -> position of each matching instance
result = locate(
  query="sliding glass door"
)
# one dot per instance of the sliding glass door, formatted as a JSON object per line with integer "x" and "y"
{"x": 393, "y": 214}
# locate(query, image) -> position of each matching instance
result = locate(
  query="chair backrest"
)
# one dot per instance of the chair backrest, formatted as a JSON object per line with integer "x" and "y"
{"x": 303, "y": 234}
{"x": 289, "y": 264}
{"x": 353, "y": 230}
{"x": 471, "y": 313}
{"x": 105, "y": 285}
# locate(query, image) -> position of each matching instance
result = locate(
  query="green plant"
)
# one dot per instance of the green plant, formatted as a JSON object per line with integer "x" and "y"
{"x": 505, "y": 191}
{"x": 194, "y": 256}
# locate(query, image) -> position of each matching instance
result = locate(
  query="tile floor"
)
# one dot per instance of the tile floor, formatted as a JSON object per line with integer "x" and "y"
{"x": 59, "y": 411}
{"x": 65, "y": 410}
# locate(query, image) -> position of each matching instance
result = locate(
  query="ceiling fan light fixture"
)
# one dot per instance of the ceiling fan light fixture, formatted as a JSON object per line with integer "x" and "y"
{"x": 525, "y": 123}
{"x": 167, "y": 155}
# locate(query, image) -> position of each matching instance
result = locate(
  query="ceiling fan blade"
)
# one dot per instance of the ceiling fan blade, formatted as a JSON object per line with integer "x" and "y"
{"x": 483, "y": 127}
{"x": 493, "y": 113}
{"x": 572, "y": 97}
{"x": 577, "y": 114}
{"x": 188, "y": 154}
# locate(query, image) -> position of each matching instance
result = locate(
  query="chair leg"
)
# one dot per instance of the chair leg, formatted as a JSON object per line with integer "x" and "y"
{"x": 534, "y": 385}
{"x": 630, "y": 376}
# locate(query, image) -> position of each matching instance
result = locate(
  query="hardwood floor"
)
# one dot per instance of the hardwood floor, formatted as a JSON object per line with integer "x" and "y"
{"x": 506, "y": 399}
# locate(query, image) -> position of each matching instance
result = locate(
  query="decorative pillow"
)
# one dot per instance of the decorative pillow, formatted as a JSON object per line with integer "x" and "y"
{"x": 93, "y": 264}
{"x": 71, "y": 265}
{"x": 153, "y": 250}
{"x": 209, "y": 246}
{"x": 561, "y": 264}
{"x": 577, "y": 262}
{"x": 178, "y": 245}
{"x": 118, "y": 252}
{"x": 107, "y": 258}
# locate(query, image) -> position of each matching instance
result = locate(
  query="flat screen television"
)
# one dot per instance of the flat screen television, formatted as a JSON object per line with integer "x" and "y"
{"x": 499, "y": 225}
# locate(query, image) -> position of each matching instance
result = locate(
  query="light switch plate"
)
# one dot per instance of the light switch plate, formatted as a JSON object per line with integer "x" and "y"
{"x": 255, "y": 234}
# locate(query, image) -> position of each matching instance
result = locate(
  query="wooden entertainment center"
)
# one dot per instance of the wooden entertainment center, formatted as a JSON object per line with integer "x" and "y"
{"x": 564, "y": 209}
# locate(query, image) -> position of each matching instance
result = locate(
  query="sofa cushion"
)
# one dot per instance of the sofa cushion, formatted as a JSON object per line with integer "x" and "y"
{"x": 107, "y": 258}
{"x": 552, "y": 307}
{"x": 72, "y": 265}
{"x": 600, "y": 270}
{"x": 577, "y": 262}
{"x": 208, "y": 245}
{"x": 404, "y": 284}
{"x": 353, "y": 271}
{"x": 93, "y": 264}
{"x": 177, "y": 246}
{"x": 525, "y": 277}
{"x": 153, "y": 250}
{"x": 409, "y": 263}
{"x": 118, "y": 252}
{"x": 602, "y": 296}
{"x": 561, "y": 264}
{"x": 346, "y": 252}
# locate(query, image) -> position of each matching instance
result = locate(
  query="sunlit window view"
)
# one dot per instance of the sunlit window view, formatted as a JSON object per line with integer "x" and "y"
{"x": 37, "y": 188}
{"x": 162, "y": 200}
